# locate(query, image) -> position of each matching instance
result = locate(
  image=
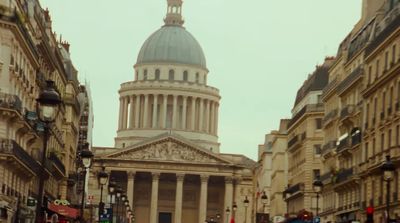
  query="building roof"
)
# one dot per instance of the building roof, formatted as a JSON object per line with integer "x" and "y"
{"x": 172, "y": 44}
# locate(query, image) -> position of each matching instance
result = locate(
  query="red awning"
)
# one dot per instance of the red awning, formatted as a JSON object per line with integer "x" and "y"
{"x": 64, "y": 210}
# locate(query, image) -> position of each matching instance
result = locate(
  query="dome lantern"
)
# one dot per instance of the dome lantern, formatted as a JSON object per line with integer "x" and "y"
{"x": 174, "y": 13}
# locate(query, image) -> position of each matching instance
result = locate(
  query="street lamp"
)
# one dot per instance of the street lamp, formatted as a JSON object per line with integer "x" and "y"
{"x": 388, "y": 169}
{"x": 264, "y": 200}
{"x": 103, "y": 178}
{"x": 317, "y": 185}
{"x": 246, "y": 205}
{"x": 86, "y": 157}
{"x": 227, "y": 211}
{"x": 218, "y": 216}
{"x": 111, "y": 190}
{"x": 118, "y": 192}
{"x": 47, "y": 108}
{"x": 234, "y": 208}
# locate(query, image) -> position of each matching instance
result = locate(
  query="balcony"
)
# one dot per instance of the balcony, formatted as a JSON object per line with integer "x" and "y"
{"x": 329, "y": 117}
{"x": 328, "y": 147}
{"x": 10, "y": 101}
{"x": 58, "y": 164}
{"x": 304, "y": 110}
{"x": 352, "y": 78}
{"x": 356, "y": 138}
{"x": 343, "y": 145}
{"x": 299, "y": 187}
{"x": 9, "y": 148}
{"x": 329, "y": 88}
{"x": 326, "y": 178}
{"x": 296, "y": 141}
{"x": 344, "y": 175}
{"x": 347, "y": 111}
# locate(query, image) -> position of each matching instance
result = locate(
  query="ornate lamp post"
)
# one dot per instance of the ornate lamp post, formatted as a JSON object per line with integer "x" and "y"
{"x": 86, "y": 157}
{"x": 227, "y": 212}
{"x": 264, "y": 200}
{"x": 388, "y": 169}
{"x": 118, "y": 193}
{"x": 218, "y": 216}
{"x": 317, "y": 185}
{"x": 111, "y": 190}
{"x": 234, "y": 208}
{"x": 246, "y": 205}
{"x": 103, "y": 178}
{"x": 47, "y": 108}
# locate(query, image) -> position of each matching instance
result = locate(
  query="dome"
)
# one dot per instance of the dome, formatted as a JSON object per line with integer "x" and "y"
{"x": 172, "y": 44}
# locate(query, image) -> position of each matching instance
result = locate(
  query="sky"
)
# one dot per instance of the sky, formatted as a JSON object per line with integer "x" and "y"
{"x": 259, "y": 52}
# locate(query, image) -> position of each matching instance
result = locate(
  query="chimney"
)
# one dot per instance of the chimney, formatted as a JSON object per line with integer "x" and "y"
{"x": 369, "y": 8}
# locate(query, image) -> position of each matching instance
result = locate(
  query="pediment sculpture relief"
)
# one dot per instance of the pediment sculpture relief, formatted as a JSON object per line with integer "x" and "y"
{"x": 168, "y": 151}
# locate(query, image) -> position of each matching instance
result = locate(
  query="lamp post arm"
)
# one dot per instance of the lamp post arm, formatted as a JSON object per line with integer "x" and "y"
{"x": 388, "y": 201}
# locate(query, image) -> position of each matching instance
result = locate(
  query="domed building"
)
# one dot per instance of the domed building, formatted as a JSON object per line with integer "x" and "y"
{"x": 166, "y": 156}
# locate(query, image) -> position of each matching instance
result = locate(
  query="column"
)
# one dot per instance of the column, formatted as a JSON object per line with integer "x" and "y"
{"x": 130, "y": 187}
{"x": 212, "y": 122}
{"x": 155, "y": 108}
{"x": 137, "y": 111}
{"x": 228, "y": 195}
{"x": 201, "y": 110}
{"x": 207, "y": 116}
{"x": 164, "y": 111}
{"x": 131, "y": 114}
{"x": 203, "y": 198}
{"x": 125, "y": 113}
{"x": 154, "y": 198}
{"x": 184, "y": 105}
{"x": 216, "y": 118}
{"x": 146, "y": 111}
{"x": 193, "y": 111}
{"x": 174, "y": 111}
{"x": 120, "y": 113}
{"x": 178, "y": 197}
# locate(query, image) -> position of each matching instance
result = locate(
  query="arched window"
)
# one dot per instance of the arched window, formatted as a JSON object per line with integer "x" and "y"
{"x": 185, "y": 75}
{"x": 197, "y": 77}
{"x": 137, "y": 75}
{"x": 145, "y": 74}
{"x": 157, "y": 76}
{"x": 171, "y": 75}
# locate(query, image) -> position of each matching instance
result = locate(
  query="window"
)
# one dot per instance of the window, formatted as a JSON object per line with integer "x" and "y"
{"x": 382, "y": 141}
{"x": 157, "y": 75}
{"x": 136, "y": 75}
{"x": 316, "y": 173}
{"x": 393, "y": 54}
{"x": 375, "y": 107}
{"x": 197, "y": 77}
{"x": 389, "y": 138}
{"x": 383, "y": 104}
{"x": 366, "y": 151}
{"x": 390, "y": 97}
{"x": 386, "y": 60}
{"x": 397, "y": 134}
{"x": 369, "y": 74}
{"x": 205, "y": 79}
{"x": 145, "y": 74}
{"x": 373, "y": 146}
{"x": 185, "y": 75}
{"x": 171, "y": 75}
{"x": 318, "y": 123}
{"x": 317, "y": 149}
{"x": 377, "y": 69}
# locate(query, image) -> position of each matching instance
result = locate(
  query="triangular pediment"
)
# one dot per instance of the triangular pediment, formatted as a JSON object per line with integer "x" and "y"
{"x": 168, "y": 149}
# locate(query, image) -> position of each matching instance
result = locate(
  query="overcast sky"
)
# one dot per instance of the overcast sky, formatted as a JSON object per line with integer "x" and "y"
{"x": 258, "y": 52}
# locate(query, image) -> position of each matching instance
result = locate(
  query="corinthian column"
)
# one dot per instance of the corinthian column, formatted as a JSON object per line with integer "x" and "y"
{"x": 164, "y": 111}
{"x": 203, "y": 198}
{"x": 184, "y": 105}
{"x": 212, "y": 122}
{"x": 207, "y": 116}
{"x": 146, "y": 111}
{"x": 131, "y": 114}
{"x": 130, "y": 187}
{"x": 174, "y": 111}
{"x": 154, "y": 198}
{"x": 193, "y": 115}
{"x": 228, "y": 194}
{"x": 201, "y": 110}
{"x": 121, "y": 105}
{"x": 125, "y": 113}
{"x": 178, "y": 197}
{"x": 137, "y": 111}
{"x": 155, "y": 110}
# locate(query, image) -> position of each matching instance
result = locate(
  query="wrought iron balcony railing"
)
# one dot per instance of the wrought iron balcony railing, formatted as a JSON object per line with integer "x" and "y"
{"x": 10, "y": 101}
{"x": 57, "y": 162}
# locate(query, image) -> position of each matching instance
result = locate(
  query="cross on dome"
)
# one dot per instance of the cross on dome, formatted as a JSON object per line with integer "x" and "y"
{"x": 174, "y": 13}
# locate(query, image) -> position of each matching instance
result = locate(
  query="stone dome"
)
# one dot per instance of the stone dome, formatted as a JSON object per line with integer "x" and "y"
{"x": 172, "y": 44}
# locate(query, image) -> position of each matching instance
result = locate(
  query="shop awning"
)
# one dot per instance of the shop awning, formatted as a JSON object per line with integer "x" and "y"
{"x": 64, "y": 210}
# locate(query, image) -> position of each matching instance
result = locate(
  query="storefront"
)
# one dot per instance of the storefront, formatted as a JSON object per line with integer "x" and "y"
{"x": 61, "y": 213}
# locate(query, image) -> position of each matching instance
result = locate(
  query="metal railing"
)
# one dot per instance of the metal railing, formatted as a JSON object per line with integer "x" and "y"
{"x": 10, "y": 101}
{"x": 330, "y": 116}
{"x": 350, "y": 79}
{"x": 343, "y": 144}
{"x": 344, "y": 175}
{"x": 57, "y": 162}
